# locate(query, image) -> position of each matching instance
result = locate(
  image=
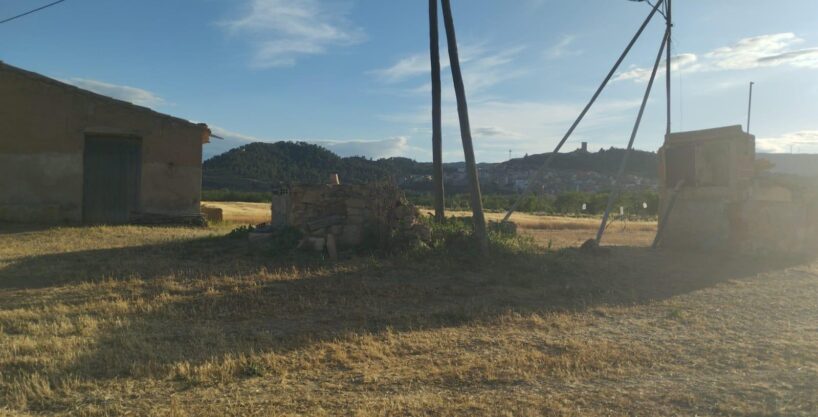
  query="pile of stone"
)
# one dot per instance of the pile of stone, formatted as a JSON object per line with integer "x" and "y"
{"x": 335, "y": 216}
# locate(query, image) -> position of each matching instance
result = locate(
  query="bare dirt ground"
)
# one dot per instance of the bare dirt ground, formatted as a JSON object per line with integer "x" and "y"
{"x": 187, "y": 322}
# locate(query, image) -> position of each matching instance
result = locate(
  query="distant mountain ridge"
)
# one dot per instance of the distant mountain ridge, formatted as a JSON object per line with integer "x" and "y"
{"x": 257, "y": 166}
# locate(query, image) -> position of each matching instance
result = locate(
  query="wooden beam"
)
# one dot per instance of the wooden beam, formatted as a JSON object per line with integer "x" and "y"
{"x": 478, "y": 217}
{"x": 437, "y": 123}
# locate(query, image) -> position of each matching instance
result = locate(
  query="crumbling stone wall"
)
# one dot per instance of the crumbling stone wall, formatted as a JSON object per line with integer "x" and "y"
{"x": 351, "y": 216}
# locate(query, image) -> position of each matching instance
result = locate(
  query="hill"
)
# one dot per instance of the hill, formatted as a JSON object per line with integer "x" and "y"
{"x": 606, "y": 162}
{"x": 255, "y": 166}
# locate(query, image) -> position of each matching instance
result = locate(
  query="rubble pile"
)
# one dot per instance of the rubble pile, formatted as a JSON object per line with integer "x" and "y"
{"x": 348, "y": 216}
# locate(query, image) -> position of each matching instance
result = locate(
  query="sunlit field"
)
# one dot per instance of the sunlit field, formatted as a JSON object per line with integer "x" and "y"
{"x": 190, "y": 322}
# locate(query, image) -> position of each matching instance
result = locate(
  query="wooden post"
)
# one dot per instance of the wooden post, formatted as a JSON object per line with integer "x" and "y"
{"x": 624, "y": 163}
{"x": 669, "y": 18}
{"x": 465, "y": 131}
{"x": 437, "y": 123}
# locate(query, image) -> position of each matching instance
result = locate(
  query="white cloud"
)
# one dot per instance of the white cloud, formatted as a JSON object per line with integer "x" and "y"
{"x": 122, "y": 92}
{"x": 803, "y": 58}
{"x": 563, "y": 48}
{"x": 370, "y": 148}
{"x": 770, "y": 50}
{"x": 482, "y": 68}
{"x": 494, "y": 132}
{"x": 408, "y": 67}
{"x": 419, "y": 64}
{"x": 752, "y": 52}
{"x": 229, "y": 134}
{"x": 284, "y": 30}
{"x": 805, "y": 140}
{"x": 681, "y": 62}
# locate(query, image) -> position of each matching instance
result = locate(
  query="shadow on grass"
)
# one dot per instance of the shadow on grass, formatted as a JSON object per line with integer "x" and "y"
{"x": 257, "y": 311}
{"x": 7, "y": 228}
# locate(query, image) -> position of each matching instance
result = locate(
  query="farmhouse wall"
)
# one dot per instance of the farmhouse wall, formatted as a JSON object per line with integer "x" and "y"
{"x": 43, "y": 126}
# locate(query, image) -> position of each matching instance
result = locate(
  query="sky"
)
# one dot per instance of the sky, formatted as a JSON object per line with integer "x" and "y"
{"x": 353, "y": 75}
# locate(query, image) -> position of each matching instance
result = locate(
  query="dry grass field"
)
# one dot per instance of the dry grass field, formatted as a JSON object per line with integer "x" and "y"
{"x": 565, "y": 232}
{"x": 247, "y": 213}
{"x": 110, "y": 321}
{"x": 548, "y": 231}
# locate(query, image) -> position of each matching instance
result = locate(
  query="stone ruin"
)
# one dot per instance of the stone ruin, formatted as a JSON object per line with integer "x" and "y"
{"x": 716, "y": 196}
{"x": 334, "y": 217}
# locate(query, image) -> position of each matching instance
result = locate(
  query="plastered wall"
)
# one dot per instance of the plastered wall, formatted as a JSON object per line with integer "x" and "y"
{"x": 43, "y": 125}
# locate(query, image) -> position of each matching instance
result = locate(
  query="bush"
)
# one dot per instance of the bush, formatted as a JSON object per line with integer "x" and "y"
{"x": 455, "y": 237}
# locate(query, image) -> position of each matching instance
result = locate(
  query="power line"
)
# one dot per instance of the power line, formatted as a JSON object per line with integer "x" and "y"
{"x": 31, "y": 11}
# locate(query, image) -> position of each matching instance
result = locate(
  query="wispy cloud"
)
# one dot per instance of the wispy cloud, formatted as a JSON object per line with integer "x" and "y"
{"x": 229, "y": 134}
{"x": 772, "y": 50}
{"x": 385, "y": 148}
{"x": 564, "y": 48}
{"x": 494, "y": 132}
{"x": 122, "y": 92}
{"x": 418, "y": 64}
{"x": 681, "y": 62}
{"x": 766, "y": 50}
{"x": 483, "y": 67}
{"x": 805, "y": 140}
{"x": 282, "y": 31}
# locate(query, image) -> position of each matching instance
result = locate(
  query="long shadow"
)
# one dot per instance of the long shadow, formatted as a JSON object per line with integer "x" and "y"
{"x": 260, "y": 312}
{"x": 209, "y": 256}
{"x": 7, "y": 228}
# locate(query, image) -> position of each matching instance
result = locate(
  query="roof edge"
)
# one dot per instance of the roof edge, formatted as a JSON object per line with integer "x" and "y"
{"x": 48, "y": 80}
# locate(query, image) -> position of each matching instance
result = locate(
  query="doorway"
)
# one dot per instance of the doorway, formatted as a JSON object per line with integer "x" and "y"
{"x": 111, "y": 178}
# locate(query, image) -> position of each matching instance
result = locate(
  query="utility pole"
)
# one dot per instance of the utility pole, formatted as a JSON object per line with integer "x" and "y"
{"x": 750, "y": 106}
{"x": 669, "y": 18}
{"x": 437, "y": 123}
{"x": 478, "y": 218}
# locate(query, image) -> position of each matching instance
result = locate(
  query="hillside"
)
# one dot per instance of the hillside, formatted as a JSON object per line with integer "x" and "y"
{"x": 255, "y": 166}
{"x": 640, "y": 163}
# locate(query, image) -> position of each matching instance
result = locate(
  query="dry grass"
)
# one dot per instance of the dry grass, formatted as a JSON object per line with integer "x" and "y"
{"x": 245, "y": 213}
{"x": 545, "y": 222}
{"x": 184, "y": 322}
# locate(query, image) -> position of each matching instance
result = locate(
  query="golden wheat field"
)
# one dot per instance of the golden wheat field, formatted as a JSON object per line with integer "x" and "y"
{"x": 109, "y": 321}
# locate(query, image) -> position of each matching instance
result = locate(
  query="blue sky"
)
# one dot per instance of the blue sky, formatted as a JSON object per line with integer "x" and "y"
{"x": 353, "y": 74}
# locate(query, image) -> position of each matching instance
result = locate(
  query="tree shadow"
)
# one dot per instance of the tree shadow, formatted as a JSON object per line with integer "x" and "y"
{"x": 258, "y": 311}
